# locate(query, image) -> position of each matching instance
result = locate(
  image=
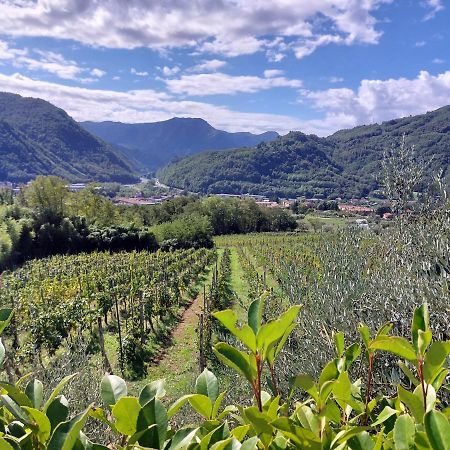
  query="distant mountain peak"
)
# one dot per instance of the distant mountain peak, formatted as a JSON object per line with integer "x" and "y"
{"x": 153, "y": 145}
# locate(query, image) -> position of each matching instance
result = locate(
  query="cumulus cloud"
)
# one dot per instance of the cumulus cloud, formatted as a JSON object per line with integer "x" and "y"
{"x": 226, "y": 27}
{"x": 47, "y": 61}
{"x": 271, "y": 73}
{"x": 138, "y": 73}
{"x": 208, "y": 66}
{"x": 169, "y": 71}
{"x": 143, "y": 105}
{"x": 221, "y": 83}
{"x": 379, "y": 100}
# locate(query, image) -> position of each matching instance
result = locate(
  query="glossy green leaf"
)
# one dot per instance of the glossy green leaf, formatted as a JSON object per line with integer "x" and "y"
{"x": 404, "y": 432}
{"x": 437, "y": 428}
{"x": 126, "y": 412}
{"x": 394, "y": 344}
{"x": 2, "y": 352}
{"x": 202, "y": 405}
{"x": 384, "y": 415}
{"x": 112, "y": 389}
{"x": 35, "y": 392}
{"x": 245, "y": 334}
{"x": 16, "y": 394}
{"x": 183, "y": 438}
{"x": 235, "y": 359}
{"x": 339, "y": 342}
{"x": 413, "y": 403}
{"x": 435, "y": 358}
{"x": 152, "y": 390}
{"x": 58, "y": 411}
{"x": 41, "y": 421}
{"x": 153, "y": 413}
{"x": 255, "y": 312}
{"x": 14, "y": 409}
{"x": 420, "y": 322}
{"x": 207, "y": 384}
{"x": 66, "y": 434}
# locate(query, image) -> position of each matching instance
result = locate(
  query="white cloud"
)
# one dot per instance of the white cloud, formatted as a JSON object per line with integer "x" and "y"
{"x": 438, "y": 61}
{"x": 210, "y": 65}
{"x": 138, "y": 73}
{"x": 227, "y": 27}
{"x": 47, "y": 61}
{"x": 436, "y": 6}
{"x": 142, "y": 105}
{"x": 116, "y": 78}
{"x": 271, "y": 73}
{"x": 98, "y": 73}
{"x": 379, "y": 100}
{"x": 221, "y": 83}
{"x": 420, "y": 44}
{"x": 169, "y": 71}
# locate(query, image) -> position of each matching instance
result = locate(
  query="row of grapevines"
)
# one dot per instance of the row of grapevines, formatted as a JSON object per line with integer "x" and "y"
{"x": 129, "y": 294}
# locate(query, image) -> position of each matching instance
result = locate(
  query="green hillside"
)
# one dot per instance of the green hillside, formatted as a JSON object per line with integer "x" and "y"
{"x": 345, "y": 164}
{"x": 37, "y": 138}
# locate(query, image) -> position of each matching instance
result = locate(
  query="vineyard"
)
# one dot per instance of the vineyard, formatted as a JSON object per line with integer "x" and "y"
{"x": 184, "y": 313}
{"x": 132, "y": 297}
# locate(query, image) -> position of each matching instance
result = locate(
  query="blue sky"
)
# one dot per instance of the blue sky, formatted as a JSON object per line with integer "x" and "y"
{"x": 243, "y": 65}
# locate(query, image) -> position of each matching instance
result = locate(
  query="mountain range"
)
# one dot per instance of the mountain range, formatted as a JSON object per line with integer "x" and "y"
{"x": 345, "y": 164}
{"x": 37, "y": 138}
{"x": 153, "y": 145}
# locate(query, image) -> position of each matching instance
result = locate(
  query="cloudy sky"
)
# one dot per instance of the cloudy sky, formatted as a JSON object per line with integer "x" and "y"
{"x": 243, "y": 65}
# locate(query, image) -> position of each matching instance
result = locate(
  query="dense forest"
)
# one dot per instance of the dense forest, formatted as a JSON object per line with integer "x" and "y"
{"x": 47, "y": 219}
{"x": 37, "y": 138}
{"x": 346, "y": 164}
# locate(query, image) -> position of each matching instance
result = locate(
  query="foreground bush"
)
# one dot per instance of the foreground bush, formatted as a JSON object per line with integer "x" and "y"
{"x": 333, "y": 412}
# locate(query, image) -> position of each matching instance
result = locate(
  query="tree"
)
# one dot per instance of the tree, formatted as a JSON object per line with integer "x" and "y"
{"x": 47, "y": 196}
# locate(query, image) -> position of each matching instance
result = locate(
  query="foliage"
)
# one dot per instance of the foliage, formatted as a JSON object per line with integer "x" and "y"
{"x": 37, "y": 138}
{"x": 346, "y": 164}
{"x": 330, "y": 414}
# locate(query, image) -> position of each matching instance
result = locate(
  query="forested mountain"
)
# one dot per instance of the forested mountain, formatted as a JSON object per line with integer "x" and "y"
{"x": 152, "y": 145}
{"x": 37, "y": 138}
{"x": 345, "y": 164}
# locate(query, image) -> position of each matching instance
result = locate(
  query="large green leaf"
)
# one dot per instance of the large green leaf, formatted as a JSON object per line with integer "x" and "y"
{"x": 15, "y": 409}
{"x": 394, "y": 344}
{"x": 434, "y": 359}
{"x": 207, "y": 384}
{"x": 152, "y": 390}
{"x": 437, "y": 427}
{"x": 420, "y": 322}
{"x": 183, "y": 438}
{"x": 153, "y": 413}
{"x": 202, "y": 405}
{"x": 41, "y": 421}
{"x": 58, "y": 411}
{"x": 112, "y": 389}
{"x": 16, "y": 394}
{"x": 255, "y": 312}
{"x": 413, "y": 402}
{"x": 235, "y": 359}
{"x": 244, "y": 333}
{"x": 2, "y": 352}
{"x": 126, "y": 412}
{"x": 66, "y": 433}
{"x": 404, "y": 432}
{"x": 35, "y": 392}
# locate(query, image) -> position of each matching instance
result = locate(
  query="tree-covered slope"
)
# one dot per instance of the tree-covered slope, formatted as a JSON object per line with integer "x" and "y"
{"x": 295, "y": 164}
{"x": 37, "y": 138}
{"x": 345, "y": 164}
{"x": 153, "y": 145}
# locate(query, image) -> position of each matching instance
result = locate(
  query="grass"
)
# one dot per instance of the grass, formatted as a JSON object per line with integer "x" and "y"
{"x": 178, "y": 364}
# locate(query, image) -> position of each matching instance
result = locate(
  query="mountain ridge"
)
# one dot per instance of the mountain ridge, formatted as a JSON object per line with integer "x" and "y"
{"x": 344, "y": 164}
{"x": 154, "y": 144}
{"x": 38, "y": 138}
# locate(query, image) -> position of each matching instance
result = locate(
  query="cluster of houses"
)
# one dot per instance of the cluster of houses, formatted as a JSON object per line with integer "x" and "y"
{"x": 141, "y": 201}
